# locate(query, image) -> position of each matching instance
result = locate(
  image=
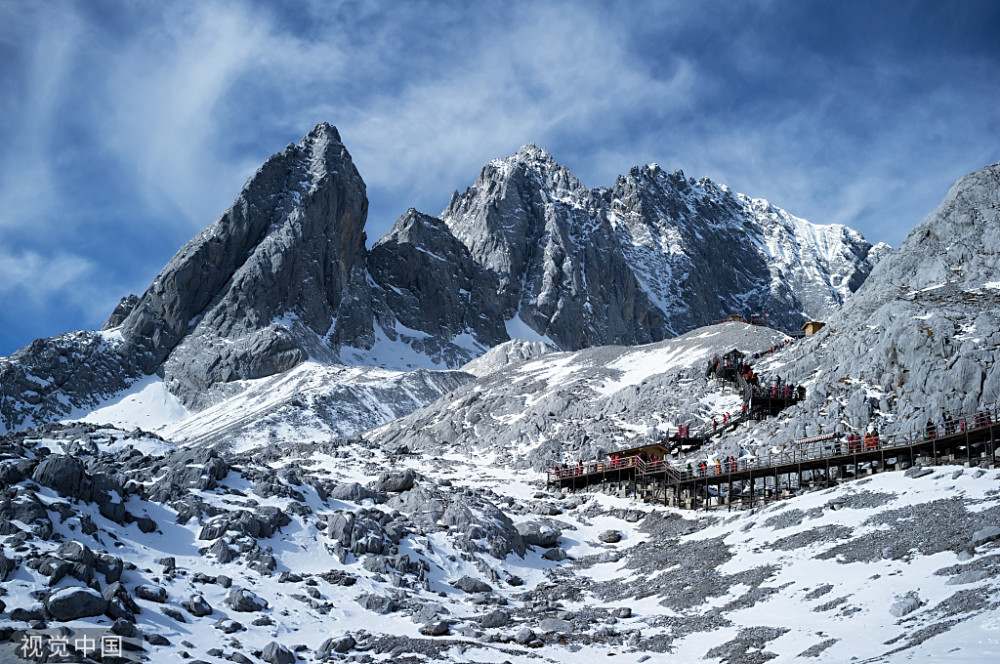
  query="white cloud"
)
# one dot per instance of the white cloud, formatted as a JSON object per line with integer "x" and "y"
{"x": 29, "y": 191}
{"x": 39, "y": 277}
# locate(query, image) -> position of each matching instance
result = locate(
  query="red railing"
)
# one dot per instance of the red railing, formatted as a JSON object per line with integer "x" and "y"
{"x": 837, "y": 447}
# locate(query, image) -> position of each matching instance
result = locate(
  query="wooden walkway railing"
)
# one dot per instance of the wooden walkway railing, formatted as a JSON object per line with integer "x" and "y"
{"x": 967, "y": 430}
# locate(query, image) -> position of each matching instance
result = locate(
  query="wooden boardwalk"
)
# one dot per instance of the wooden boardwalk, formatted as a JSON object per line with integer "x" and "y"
{"x": 820, "y": 461}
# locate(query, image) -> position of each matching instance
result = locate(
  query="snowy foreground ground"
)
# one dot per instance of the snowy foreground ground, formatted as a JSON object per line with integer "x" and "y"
{"x": 894, "y": 568}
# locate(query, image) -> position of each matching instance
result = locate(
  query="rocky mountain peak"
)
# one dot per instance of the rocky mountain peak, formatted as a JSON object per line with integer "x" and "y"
{"x": 277, "y": 278}
{"x": 955, "y": 245}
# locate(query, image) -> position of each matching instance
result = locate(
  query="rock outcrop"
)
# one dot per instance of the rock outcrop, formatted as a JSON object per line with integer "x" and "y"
{"x": 921, "y": 335}
{"x": 526, "y": 252}
{"x": 279, "y": 277}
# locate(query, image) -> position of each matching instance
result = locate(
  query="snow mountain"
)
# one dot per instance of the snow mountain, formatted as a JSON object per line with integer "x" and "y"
{"x": 261, "y": 524}
{"x": 283, "y": 277}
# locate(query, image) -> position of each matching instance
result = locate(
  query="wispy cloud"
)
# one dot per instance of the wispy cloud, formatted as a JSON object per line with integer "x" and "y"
{"x": 29, "y": 194}
{"x": 37, "y": 277}
{"x": 126, "y": 127}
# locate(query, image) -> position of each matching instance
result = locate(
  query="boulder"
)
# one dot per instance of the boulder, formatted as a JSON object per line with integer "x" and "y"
{"x": 611, "y": 536}
{"x": 470, "y": 584}
{"x": 438, "y": 628}
{"x": 63, "y": 474}
{"x": 908, "y": 604}
{"x": 74, "y": 603}
{"x": 275, "y": 653}
{"x": 524, "y": 636}
{"x": 396, "y": 481}
{"x": 151, "y": 593}
{"x": 339, "y": 644}
{"x": 378, "y": 603}
{"x": 557, "y": 554}
{"x": 354, "y": 493}
{"x": 198, "y": 606}
{"x": 6, "y": 566}
{"x": 245, "y": 601}
{"x": 497, "y": 618}
{"x": 535, "y": 533}
{"x": 985, "y": 535}
{"x": 120, "y": 603}
{"x": 550, "y": 625}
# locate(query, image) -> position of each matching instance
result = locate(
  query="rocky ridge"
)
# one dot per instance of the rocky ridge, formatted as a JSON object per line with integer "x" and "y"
{"x": 920, "y": 337}
{"x": 283, "y": 276}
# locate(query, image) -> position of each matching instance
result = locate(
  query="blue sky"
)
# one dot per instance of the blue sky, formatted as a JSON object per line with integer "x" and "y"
{"x": 128, "y": 126}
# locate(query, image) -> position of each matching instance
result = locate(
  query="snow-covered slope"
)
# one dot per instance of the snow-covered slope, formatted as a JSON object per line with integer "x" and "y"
{"x": 576, "y": 405}
{"x": 448, "y": 557}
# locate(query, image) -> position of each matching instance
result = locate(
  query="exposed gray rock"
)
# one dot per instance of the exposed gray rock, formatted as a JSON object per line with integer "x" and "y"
{"x": 524, "y": 636}
{"x": 611, "y": 536}
{"x": 362, "y": 532}
{"x": 340, "y": 644}
{"x": 535, "y": 533}
{"x": 292, "y": 246}
{"x": 985, "y": 535}
{"x": 63, "y": 474}
{"x": 437, "y": 628}
{"x": 917, "y": 472}
{"x": 428, "y": 281}
{"x": 495, "y": 618}
{"x": 275, "y": 653}
{"x": 395, "y": 481}
{"x": 121, "y": 606}
{"x": 556, "y": 554}
{"x": 151, "y": 593}
{"x": 198, "y": 606}
{"x": 74, "y": 603}
{"x": 378, "y": 603}
{"x": 245, "y": 601}
{"x": 922, "y": 331}
{"x": 549, "y": 625}
{"x": 906, "y": 605}
{"x": 469, "y": 584}
{"x": 355, "y": 493}
{"x": 969, "y": 576}
{"x": 6, "y": 566}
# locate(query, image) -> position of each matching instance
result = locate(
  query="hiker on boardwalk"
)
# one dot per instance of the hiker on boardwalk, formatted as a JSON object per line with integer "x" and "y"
{"x": 930, "y": 431}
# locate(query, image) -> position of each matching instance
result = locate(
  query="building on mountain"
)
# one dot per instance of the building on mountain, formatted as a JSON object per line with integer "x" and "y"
{"x": 812, "y": 327}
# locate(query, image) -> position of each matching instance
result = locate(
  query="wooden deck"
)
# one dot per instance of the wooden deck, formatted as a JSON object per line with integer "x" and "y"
{"x": 816, "y": 462}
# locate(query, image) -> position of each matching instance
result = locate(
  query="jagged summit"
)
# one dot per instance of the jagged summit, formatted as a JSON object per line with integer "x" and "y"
{"x": 277, "y": 278}
{"x": 526, "y": 252}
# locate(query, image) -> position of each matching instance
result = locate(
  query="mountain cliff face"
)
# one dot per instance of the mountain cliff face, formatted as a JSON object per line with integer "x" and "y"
{"x": 560, "y": 270}
{"x": 702, "y": 251}
{"x": 526, "y": 252}
{"x": 278, "y": 277}
{"x": 922, "y": 334}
